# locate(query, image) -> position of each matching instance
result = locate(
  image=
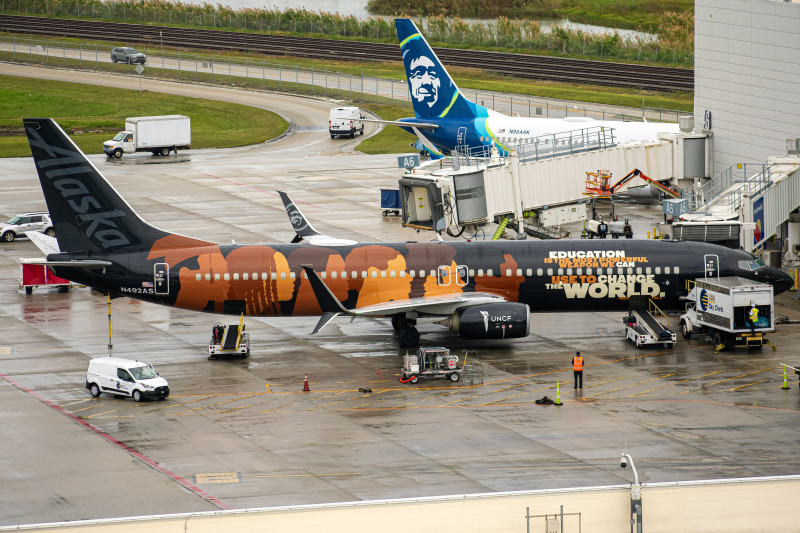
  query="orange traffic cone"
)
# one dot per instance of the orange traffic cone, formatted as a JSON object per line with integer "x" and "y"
{"x": 305, "y": 384}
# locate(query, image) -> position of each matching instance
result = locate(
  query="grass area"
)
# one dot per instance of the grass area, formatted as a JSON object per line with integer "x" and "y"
{"x": 93, "y": 114}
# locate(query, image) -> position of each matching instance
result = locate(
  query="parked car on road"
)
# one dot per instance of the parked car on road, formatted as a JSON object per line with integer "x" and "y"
{"x": 18, "y": 225}
{"x": 124, "y": 54}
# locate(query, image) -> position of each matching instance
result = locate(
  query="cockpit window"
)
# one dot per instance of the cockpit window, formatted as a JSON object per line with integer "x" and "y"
{"x": 753, "y": 264}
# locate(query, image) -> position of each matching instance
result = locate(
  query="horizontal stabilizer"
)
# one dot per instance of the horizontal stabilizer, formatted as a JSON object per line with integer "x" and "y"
{"x": 324, "y": 320}
{"x": 402, "y": 124}
{"x": 47, "y": 244}
{"x": 89, "y": 264}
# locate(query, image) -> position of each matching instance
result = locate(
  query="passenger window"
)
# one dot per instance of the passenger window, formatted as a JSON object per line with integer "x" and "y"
{"x": 620, "y": 271}
{"x": 629, "y": 270}
{"x": 334, "y": 274}
{"x": 374, "y": 273}
{"x": 508, "y": 272}
{"x": 216, "y": 277}
{"x": 197, "y": 277}
{"x": 648, "y": 270}
{"x": 283, "y": 275}
{"x": 354, "y": 274}
{"x": 291, "y": 275}
{"x": 638, "y": 270}
{"x": 227, "y": 276}
{"x": 677, "y": 270}
{"x": 549, "y": 271}
{"x": 480, "y": 272}
{"x": 519, "y": 272}
{"x": 236, "y": 276}
{"x": 489, "y": 272}
{"x": 255, "y": 276}
{"x": 364, "y": 274}
{"x": 471, "y": 272}
{"x": 344, "y": 274}
{"x": 666, "y": 270}
{"x": 245, "y": 276}
{"x": 658, "y": 270}
{"x": 393, "y": 274}
{"x": 411, "y": 273}
{"x": 383, "y": 273}
{"x": 208, "y": 277}
{"x": 579, "y": 271}
{"x": 539, "y": 272}
{"x": 529, "y": 272}
{"x": 402, "y": 273}
{"x": 560, "y": 271}
{"x": 588, "y": 271}
{"x": 323, "y": 275}
{"x": 433, "y": 273}
{"x": 569, "y": 272}
{"x": 273, "y": 275}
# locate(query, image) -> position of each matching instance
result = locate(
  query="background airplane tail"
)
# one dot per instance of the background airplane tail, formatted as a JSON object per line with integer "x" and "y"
{"x": 88, "y": 214}
{"x": 434, "y": 94}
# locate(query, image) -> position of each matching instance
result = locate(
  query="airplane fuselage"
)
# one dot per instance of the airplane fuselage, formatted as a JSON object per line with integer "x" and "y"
{"x": 564, "y": 275}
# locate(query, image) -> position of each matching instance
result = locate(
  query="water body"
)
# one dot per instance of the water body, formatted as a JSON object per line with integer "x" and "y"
{"x": 359, "y": 9}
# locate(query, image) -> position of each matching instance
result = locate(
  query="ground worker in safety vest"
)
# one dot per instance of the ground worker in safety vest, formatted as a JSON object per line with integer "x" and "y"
{"x": 753, "y": 317}
{"x": 577, "y": 369}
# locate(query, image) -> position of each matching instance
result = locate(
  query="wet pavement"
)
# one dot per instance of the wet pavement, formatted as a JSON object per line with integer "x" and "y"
{"x": 243, "y": 434}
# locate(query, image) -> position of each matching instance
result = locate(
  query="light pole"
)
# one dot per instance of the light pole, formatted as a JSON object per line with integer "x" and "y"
{"x": 636, "y": 494}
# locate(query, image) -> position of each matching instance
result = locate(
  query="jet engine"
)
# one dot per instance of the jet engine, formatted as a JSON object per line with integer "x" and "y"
{"x": 507, "y": 320}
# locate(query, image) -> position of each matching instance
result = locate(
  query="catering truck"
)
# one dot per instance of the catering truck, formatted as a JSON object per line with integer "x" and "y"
{"x": 157, "y": 135}
{"x": 721, "y": 308}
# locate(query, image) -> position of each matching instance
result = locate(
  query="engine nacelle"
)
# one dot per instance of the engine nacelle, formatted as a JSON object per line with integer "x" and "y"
{"x": 507, "y": 320}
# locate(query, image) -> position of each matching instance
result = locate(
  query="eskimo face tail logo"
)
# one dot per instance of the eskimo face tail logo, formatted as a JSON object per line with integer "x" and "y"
{"x": 424, "y": 80}
{"x": 485, "y": 315}
{"x": 296, "y": 218}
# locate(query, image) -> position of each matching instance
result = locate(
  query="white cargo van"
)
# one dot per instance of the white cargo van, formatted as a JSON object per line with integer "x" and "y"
{"x": 345, "y": 121}
{"x": 125, "y": 377}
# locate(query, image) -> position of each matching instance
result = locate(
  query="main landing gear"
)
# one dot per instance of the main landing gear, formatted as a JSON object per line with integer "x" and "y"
{"x": 406, "y": 330}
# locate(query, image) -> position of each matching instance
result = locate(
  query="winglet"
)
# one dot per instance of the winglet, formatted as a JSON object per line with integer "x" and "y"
{"x": 330, "y": 305}
{"x": 305, "y": 231}
{"x": 300, "y": 223}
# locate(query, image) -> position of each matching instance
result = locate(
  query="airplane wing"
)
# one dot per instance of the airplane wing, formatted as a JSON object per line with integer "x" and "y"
{"x": 441, "y": 305}
{"x": 305, "y": 231}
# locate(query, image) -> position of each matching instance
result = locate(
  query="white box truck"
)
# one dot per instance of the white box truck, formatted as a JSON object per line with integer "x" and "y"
{"x": 157, "y": 135}
{"x": 345, "y": 121}
{"x": 721, "y": 308}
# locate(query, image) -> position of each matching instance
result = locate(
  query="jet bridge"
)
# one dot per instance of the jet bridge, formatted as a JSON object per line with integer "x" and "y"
{"x": 743, "y": 205}
{"x": 536, "y": 186}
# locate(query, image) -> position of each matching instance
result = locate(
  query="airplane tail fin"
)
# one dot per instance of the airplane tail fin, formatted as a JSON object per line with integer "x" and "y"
{"x": 434, "y": 94}
{"x": 88, "y": 214}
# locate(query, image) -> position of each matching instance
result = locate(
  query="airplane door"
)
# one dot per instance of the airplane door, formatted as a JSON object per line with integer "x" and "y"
{"x": 443, "y": 275}
{"x": 461, "y": 138}
{"x": 711, "y": 262}
{"x": 161, "y": 278}
{"x": 462, "y": 275}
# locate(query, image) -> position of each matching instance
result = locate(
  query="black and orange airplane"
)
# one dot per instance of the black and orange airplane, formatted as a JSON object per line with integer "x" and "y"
{"x": 483, "y": 290}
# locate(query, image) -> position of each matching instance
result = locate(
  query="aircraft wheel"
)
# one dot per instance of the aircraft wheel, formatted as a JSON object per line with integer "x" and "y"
{"x": 409, "y": 336}
{"x": 94, "y": 390}
{"x": 397, "y": 323}
{"x": 9, "y": 236}
{"x": 454, "y": 377}
{"x": 685, "y": 330}
{"x": 137, "y": 396}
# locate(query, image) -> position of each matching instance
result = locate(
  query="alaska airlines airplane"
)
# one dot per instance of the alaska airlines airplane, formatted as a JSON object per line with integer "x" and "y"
{"x": 449, "y": 119}
{"x": 481, "y": 290}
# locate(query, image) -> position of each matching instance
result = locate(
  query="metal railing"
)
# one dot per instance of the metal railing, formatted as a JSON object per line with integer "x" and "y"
{"x": 752, "y": 178}
{"x": 542, "y": 147}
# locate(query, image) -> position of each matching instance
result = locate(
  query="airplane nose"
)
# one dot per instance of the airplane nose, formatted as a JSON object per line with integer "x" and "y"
{"x": 780, "y": 280}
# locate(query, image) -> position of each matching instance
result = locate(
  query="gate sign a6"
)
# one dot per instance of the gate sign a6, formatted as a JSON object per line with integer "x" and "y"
{"x": 408, "y": 161}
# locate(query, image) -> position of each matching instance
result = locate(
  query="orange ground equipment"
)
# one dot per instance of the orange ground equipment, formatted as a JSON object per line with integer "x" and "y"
{"x": 598, "y": 184}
